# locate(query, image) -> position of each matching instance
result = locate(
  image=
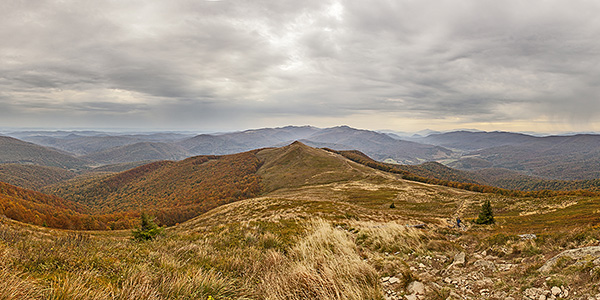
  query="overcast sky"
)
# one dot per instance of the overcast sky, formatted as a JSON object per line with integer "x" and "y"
{"x": 225, "y": 65}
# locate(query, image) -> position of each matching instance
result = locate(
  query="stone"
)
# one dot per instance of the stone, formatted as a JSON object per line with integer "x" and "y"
{"x": 384, "y": 279}
{"x": 485, "y": 265}
{"x": 393, "y": 280}
{"x": 555, "y": 290}
{"x": 579, "y": 253}
{"x": 528, "y": 236}
{"x": 410, "y": 297}
{"x": 459, "y": 260}
{"x": 416, "y": 287}
{"x": 542, "y": 297}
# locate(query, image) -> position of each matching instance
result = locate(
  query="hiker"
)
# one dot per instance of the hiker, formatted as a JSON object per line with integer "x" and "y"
{"x": 458, "y": 222}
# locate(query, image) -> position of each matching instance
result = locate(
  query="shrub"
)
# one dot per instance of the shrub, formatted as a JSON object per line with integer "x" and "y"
{"x": 486, "y": 215}
{"x": 148, "y": 229}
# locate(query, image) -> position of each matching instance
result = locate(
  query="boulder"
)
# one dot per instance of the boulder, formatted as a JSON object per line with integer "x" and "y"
{"x": 579, "y": 253}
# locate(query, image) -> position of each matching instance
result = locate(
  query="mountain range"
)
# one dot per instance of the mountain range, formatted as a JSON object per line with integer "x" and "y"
{"x": 501, "y": 159}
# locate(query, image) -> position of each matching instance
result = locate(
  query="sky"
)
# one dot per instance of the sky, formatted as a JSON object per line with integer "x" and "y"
{"x": 231, "y": 65}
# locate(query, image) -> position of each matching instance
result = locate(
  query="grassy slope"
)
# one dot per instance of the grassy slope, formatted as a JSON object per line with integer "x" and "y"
{"x": 319, "y": 237}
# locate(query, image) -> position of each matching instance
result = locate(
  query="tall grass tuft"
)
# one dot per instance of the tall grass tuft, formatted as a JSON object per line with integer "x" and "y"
{"x": 14, "y": 286}
{"x": 323, "y": 265}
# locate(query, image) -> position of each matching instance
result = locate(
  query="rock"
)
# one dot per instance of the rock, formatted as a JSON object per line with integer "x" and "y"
{"x": 410, "y": 297}
{"x": 542, "y": 297}
{"x": 416, "y": 288}
{"x": 555, "y": 290}
{"x": 485, "y": 265}
{"x": 534, "y": 293}
{"x": 528, "y": 236}
{"x": 393, "y": 280}
{"x": 459, "y": 260}
{"x": 593, "y": 251}
{"x": 384, "y": 279}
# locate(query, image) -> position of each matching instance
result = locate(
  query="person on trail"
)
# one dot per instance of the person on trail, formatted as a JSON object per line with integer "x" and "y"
{"x": 458, "y": 222}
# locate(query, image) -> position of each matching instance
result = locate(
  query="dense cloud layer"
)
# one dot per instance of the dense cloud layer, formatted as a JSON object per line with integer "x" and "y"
{"x": 512, "y": 65}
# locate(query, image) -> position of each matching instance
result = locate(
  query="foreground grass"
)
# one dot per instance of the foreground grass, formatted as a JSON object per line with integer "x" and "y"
{"x": 234, "y": 261}
{"x": 329, "y": 241}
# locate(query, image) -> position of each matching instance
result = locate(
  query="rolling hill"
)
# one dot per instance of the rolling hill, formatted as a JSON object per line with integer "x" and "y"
{"x": 143, "y": 151}
{"x": 44, "y": 210}
{"x": 554, "y": 157}
{"x": 16, "y": 151}
{"x": 470, "y": 141}
{"x": 174, "y": 191}
{"x": 32, "y": 176}
{"x": 235, "y": 142}
{"x": 377, "y": 145}
{"x": 84, "y": 142}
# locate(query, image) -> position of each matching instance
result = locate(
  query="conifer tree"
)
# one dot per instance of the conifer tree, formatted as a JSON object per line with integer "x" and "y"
{"x": 486, "y": 215}
{"x": 148, "y": 229}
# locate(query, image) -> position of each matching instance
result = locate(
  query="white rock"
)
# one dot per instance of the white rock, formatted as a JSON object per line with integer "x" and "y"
{"x": 416, "y": 288}
{"x": 384, "y": 279}
{"x": 542, "y": 297}
{"x": 593, "y": 251}
{"x": 459, "y": 260}
{"x": 410, "y": 297}
{"x": 555, "y": 290}
{"x": 485, "y": 265}
{"x": 393, "y": 280}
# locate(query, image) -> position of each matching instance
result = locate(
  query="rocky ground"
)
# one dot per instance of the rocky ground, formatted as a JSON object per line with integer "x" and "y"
{"x": 572, "y": 274}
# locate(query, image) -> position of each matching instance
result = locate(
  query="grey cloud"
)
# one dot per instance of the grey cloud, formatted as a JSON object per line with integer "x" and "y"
{"x": 251, "y": 60}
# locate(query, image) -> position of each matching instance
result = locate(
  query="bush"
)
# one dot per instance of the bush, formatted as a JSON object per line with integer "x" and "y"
{"x": 486, "y": 216}
{"x": 148, "y": 229}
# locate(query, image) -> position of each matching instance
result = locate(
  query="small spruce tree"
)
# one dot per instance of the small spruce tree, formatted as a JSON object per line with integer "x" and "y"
{"x": 148, "y": 229}
{"x": 392, "y": 205}
{"x": 486, "y": 215}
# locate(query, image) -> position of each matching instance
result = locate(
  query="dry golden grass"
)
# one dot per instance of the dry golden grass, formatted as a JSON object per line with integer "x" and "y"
{"x": 323, "y": 265}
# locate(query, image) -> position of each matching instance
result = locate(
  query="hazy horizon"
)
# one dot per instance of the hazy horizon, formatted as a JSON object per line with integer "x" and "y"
{"x": 423, "y": 132}
{"x": 232, "y": 65}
